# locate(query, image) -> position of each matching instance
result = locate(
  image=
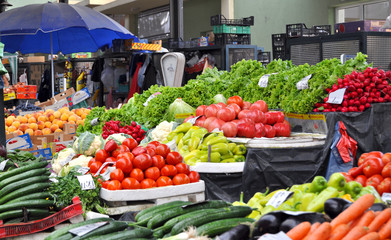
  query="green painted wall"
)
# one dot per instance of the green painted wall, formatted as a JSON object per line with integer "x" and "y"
{"x": 196, "y": 16}
{"x": 271, "y": 16}
{"x": 20, "y": 3}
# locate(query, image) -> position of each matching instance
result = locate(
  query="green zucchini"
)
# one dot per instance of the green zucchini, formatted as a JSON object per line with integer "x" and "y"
{"x": 19, "y": 213}
{"x": 33, "y": 196}
{"x": 230, "y": 212}
{"x": 36, "y": 187}
{"x": 161, "y": 218}
{"x": 124, "y": 235}
{"x": 24, "y": 175}
{"x": 220, "y": 226}
{"x": 63, "y": 231}
{"x": 39, "y": 203}
{"x": 159, "y": 207}
{"x": 113, "y": 226}
{"x": 22, "y": 169}
{"x": 22, "y": 183}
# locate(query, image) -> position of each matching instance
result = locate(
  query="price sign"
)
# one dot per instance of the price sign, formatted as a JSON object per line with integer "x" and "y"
{"x": 278, "y": 236}
{"x": 303, "y": 83}
{"x": 278, "y": 198}
{"x": 67, "y": 159}
{"x": 83, "y": 170}
{"x": 150, "y": 98}
{"x": 386, "y": 197}
{"x": 193, "y": 120}
{"x": 264, "y": 80}
{"x": 106, "y": 174}
{"x": 336, "y": 97}
{"x": 83, "y": 230}
{"x": 86, "y": 182}
{"x": 94, "y": 121}
{"x": 2, "y": 165}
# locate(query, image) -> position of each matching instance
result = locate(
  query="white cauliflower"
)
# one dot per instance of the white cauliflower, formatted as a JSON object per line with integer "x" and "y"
{"x": 161, "y": 131}
{"x": 81, "y": 161}
{"x": 62, "y": 158}
{"x": 88, "y": 143}
{"x": 118, "y": 137}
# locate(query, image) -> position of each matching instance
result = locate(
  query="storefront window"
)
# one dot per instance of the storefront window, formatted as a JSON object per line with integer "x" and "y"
{"x": 367, "y": 11}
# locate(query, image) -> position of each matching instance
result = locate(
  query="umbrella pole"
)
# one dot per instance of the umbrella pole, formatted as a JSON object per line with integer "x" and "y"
{"x": 51, "y": 61}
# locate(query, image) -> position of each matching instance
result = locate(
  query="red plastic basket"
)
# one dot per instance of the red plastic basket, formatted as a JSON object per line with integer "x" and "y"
{"x": 19, "y": 229}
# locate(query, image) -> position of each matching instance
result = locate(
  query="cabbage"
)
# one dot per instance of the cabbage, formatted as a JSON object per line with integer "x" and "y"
{"x": 179, "y": 110}
{"x": 219, "y": 98}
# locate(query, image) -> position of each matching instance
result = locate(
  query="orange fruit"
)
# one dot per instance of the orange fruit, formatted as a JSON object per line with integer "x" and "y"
{"x": 32, "y": 120}
{"x": 29, "y": 131}
{"x": 48, "y": 124}
{"x": 16, "y": 124}
{"x": 24, "y": 120}
{"x": 46, "y": 131}
{"x": 33, "y": 126}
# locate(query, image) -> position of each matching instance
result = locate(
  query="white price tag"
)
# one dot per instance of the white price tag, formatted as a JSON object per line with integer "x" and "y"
{"x": 278, "y": 236}
{"x": 263, "y": 81}
{"x": 119, "y": 106}
{"x": 2, "y": 164}
{"x": 67, "y": 159}
{"x": 83, "y": 230}
{"x": 336, "y": 97}
{"x": 386, "y": 197}
{"x": 150, "y": 98}
{"x": 303, "y": 83}
{"x": 86, "y": 182}
{"x": 106, "y": 174}
{"x": 94, "y": 121}
{"x": 278, "y": 198}
{"x": 83, "y": 170}
{"x": 216, "y": 130}
{"x": 193, "y": 120}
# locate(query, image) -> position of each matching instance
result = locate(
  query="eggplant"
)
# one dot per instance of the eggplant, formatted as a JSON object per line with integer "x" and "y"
{"x": 378, "y": 207}
{"x": 239, "y": 232}
{"x": 3, "y": 152}
{"x": 334, "y": 206}
{"x": 288, "y": 224}
{"x": 270, "y": 223}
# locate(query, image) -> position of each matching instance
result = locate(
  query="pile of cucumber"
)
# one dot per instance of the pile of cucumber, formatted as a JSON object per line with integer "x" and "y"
{"x": 22, "y": 193}
{"x": 211, "y": 217}
{"x": 113, "y": 230}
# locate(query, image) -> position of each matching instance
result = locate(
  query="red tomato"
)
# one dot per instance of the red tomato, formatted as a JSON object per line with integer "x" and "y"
{"x": 246, "y": 130}
{"x": 246, "y": 105}
{"x": 217, "y": 123}
{"x": 163, "y": 181}
{"x": 137, "y": 174}
{"x": 386, "y": 172}
{"x": 347, "y": 176}
{"x": 377, "y": 154}
{"x": 126, "y": 155}
{"x": 183, "y": 168}
{"x": 211, "y": 111}
{"x": 91, "y": 162}
{"x": 374, "y": 180}
{"x": 111, "y": 159}
{"x": 154, "y": 143}
{"x": 200, "y": 121}
{"x": 226, "y": 114}
{"x": 174, "y": 158}
{"x": 123, "y": 149}
{"x": 148, "y": 183}
{"x": 230, "y": 129}
{"x": 139, "y": 150}
{"x": 103, "y": 170}
{"x": 270, "y": 131}
{"x": 386, "y": 158}
{"x": 158, "y": 161}
{"x": 94, "y": 167}
{"x": 130, "y": 183}
{"x": 116, "y": 152}
{"x": 208, "y": 121}
{"x": 162, "y": 150}
{"x": 114, "y": 185}
{"x": 235, "y": 99}
{"x": 152, "y": 173}
{"x": 194, "y": 176}
{"x": 117, "y": 174}
{"x": 180, "y": 179}
{"x": 105, "y": 184}
{"x": 259, "y": 130}
{"x": 124, "y": 164}
{"x": 169, "y": 171}
{"x": 142, "y": 161}
{"x": 101, "y": 155}
{"x": 282, "y": 129}
{"x": 260, "y": 105}
{"x": 372, "y": 167}
{"x": 150, "y": 151}
{"x": 361, "y": 179}
{"x": 200, "y": 110}
{"x": 235, "y": 107}
{"x": 110, "y": 145}
{"x": 130, "y": 143}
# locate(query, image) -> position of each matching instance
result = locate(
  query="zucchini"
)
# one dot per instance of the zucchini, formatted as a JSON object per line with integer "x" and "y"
{"x": 160, "y": 219}
{"x": 22, "y": 169}
{"x": 126, "y": 234}
{"x": 158, "y": 207}
{"x": 220, "y": 226}
{"x": 39, "y": 203}
{"x": 19, "y": 213}
{"x": 230, "y": 212}
{"x": 25, "y": 175}
{"x": 36, "y": 187}
{"x": 22, "y": 183}
{"x": 32, "y": 196}
{"x": 113, "y": 226}
{"x": 63, "y": 231}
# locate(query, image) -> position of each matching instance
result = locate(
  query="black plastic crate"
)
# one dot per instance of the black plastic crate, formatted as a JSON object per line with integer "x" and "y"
{"x": 280, "y": 55}
{"x": 220, "y": 20}
{"x": 279, "y": 39}
{"x": 264, "y": 57}
{"x": 278, "y": 48}
{"x": 301, "y": 30}
{"x": 228, "y": 38}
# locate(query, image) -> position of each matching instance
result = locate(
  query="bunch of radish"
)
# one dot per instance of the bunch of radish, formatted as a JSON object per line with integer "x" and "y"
{"x": 362, "y": 90}
{"x": 239, "y": 118}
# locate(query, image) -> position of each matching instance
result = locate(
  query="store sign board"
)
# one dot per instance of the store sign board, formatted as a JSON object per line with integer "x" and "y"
{"x": 146, "y": 46}
{"x": 19, "y": 142}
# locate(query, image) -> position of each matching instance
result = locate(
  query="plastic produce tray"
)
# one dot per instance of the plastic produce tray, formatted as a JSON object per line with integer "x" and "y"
{"x": 206, "y": 167}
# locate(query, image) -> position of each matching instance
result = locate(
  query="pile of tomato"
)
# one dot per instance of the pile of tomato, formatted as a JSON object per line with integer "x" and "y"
{"x": 138, "y": 167}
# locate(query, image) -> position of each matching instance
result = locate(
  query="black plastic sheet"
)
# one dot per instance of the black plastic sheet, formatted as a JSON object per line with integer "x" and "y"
{"x": 224, "y": 186}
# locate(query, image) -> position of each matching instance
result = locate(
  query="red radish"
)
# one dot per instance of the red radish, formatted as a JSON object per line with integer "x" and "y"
{"x": 229, "y": 129}
{"x": 260, "y": 105}
{"x": 226, "y": 114}
{"x": 200, "y": 110}
{"x": 211, "y": 111}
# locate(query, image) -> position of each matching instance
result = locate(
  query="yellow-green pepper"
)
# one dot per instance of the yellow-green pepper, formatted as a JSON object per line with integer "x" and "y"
{"x": 305, "y": 200}
{"x": 228, "y": 155}
{"x": 214, "y": 157}
{"x": 178, "y": 137}
{"x": 228, "y": 160}
{"x": 240, "y": 150}
{"x": 231, "y": 146}
{"x": 218, "y": 139}
{"x": 222, "y": 148}
{"x": 184, "y": 127}
{"x": 239, "y": 158}
{"x": 193, "y": 144}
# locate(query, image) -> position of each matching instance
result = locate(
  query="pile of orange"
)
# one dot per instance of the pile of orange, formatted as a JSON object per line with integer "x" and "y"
{"x": 45, "y": 122}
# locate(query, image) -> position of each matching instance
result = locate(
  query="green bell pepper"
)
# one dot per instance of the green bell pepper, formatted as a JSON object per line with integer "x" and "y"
{"x": 303, "y": 187}
{"x": 353, "y": 188}
{"x": 306, "y": 200}
{"x": 240, "y": 150}
{"x": 317, "y": 204}
{"x": 318, "y": 184}
{"x": 337, "y": 180}
{"x": 231, "y": 146}
{"x": 239, "y": 158}
{"x": 255, "y": 200}
{"x": 255, "y": 214}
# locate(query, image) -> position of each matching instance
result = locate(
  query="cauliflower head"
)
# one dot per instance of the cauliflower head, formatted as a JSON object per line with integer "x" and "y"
{"x": 118, "y": 137}
{"x": 88, "y": 143}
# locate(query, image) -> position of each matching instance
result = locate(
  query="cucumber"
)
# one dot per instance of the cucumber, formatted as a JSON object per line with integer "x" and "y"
{"x": 158, "y": 207}
{"x": 36, "y": 187}
{"x": 160, "y": 219}
{"x": 113, "y": 226}
{"x": 22, "y": 183}
{"x": 220, "y": 226}
{"x": 19, "y": 213}
{"x": 32, "y": 196}
{"x": 63, "y": 231}
{"x": 124, "y": 235}
{"x": 39, "y": 203}
{"x": 158, "y": 233}
{"x": 144, "y": 219}
{"x": 230, "y": 212}
{"x": 67, "y": 236}
{"x": 23, "y": 169}
{"x": 24, "y": 175}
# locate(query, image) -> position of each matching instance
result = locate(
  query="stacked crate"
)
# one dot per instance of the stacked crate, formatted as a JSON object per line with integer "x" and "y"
{"x": 279, "y": 46}
{"x": 231, "y": 31}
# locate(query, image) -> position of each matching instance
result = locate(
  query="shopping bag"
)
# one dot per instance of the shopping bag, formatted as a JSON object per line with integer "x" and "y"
{"x": 343, "y": 151}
